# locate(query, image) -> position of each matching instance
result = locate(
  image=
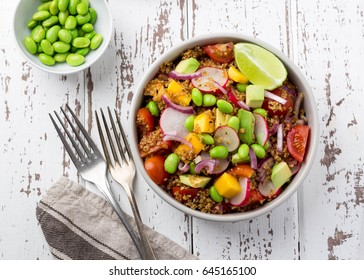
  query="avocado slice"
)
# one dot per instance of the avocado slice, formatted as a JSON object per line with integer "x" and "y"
{"x": 194, "y": 181}
{"x": 281, "y": 173}
{"x": 254, "y": 96}
{"x": 235, "y": 159}
{"x": 187, "y": 66}
{"x": 221, "y": 118}
{"x": 247, "y": 122}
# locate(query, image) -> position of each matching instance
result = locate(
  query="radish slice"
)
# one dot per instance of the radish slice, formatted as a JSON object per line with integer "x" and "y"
{"x": 172, "y": 122}
{"x": 179, "y": 108}
{"x": 179, "y": 76}
{"x": 227, "y": 136}
{"x": 280, "y": 138}
{"x": 221, "y": 164}
{"x": 261, "y": 129}
{"x": 242, "y": 198}
{"x": 267, "y": 189}
{"x": 274, "y": 97}
{"x": 209, "y": 75}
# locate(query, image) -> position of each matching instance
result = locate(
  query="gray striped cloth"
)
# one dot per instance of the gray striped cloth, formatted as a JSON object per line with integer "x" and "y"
{"x": 79, "y": 224}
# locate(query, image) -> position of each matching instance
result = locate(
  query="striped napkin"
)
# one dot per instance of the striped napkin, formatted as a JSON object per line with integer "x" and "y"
{"x": 79, "y": 224}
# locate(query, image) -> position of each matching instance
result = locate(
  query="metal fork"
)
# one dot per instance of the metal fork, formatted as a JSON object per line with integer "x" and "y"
{"x": 91, "y": 165}
{"x": 122, "y": 169}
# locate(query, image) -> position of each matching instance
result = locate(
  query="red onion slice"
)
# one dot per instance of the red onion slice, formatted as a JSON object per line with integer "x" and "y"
{"x": 220, "y": 87}
{"x": 183, "y": 167}
{"x": 231, "y": 95}
{"x": 243, "y": 105}
{"x": 273, "y": 129}
{"x": 179, "y": 108}
{"x": 280, "y": 138}
{"x": 253, "y": 159}
{"x": 168, "y": 137}
{"x": 209, "y": 164}
{"x": 274, "y": 97}
{"x": 180, "y": 76}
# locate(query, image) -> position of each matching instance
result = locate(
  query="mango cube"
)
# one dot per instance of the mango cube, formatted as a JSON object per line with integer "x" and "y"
{"x": 183, "y": 150}
{"x": 178, "y": 94}
{"x": 204, "y": 123}
{"x": 227, "y": 185}
{"x": 254, "y": 96}
{"x": 237, "y": 76}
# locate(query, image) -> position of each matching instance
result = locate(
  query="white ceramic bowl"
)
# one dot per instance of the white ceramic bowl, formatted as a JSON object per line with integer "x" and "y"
{"x": 24, "y": 12}
{"x": 295, "y": 76}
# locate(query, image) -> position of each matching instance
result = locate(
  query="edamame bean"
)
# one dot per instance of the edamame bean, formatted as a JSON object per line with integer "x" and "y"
{"x": 41, "y": 15}
{"x": 153, "y": 108}
{"x": 215, "y": 195}
{"x": 90, "y": 35}
{"x": 82, "y": 9}
{"x": 63, "y": 5}
{"x": 46, "y": 59}
{"x": 40, "y": 50}
{"x": 74, "y": 33}
{"x": 52, "y": 20}
{"x": 44, "y": 6}
{"x": 261, "y": 112}
{"x": 82, "y": 19}
{"x": 87, "y": 27}
{"x": 70, "y": 23}
{"x": 65, "y": 36}
{"x": 96, "y": 41}
{"x": 32, "y": 23}
{"x": 81, "y": 42}
{"x": 192, "y": 168}
{"x": 93, "y": 15}
{"x": 61, "y": 57}
{"x": 85, "y": 2}
{"x": 224, "y": 106}
{"x": 258, "y": 150}
{"x": 62, "y": 17}
{"x": 53, "y": 8}
{"x": 72, "y": 6}
{"x": 243, "y": 151}
{"x": 38, "y": 33}
{"x": 241, "y": 87}
{"x": 81, "y": 33}
{"x": 47, "y": 47}
{"x": 83, "y": 51}
{"x": 30, "y": 45}
{"x": 220, "y": 152}
{"x": 75, "y": 59}
{"x": 234, "y": 122}
{"x": 61, "y": 47}
{"x": 196, "y": 96}
{"x": 171, "y": 163}
{"x": 207, "y": 139}
{"x": 189, "y": 123}
{"x": 52, "y": 34}
{"x": 208, "y": 100}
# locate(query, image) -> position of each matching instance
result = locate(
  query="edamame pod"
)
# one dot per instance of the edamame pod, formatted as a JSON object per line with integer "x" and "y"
{"x": 82, "y": 19}
{"x": 61, "y": 47}
{"x": 70, "y": 23}
{"x": 75, "y": 59}
{"x": 65, "y": 36}
{"x": 38, "y": 33}
{"x": 47, "y": 47}
{"x": 30, "y": 45}
{"x": 87, "y": 27}
{"x": 52, "y": 20}
{"x": 52, "y": 34}
{"x": 41, "y": 15}
{"x": 82, "y": 9}
{"x": 46, "y": 59}
{"x": 32, "y": 23}
{"x": 81, "y": 42}
{"x": 96, "y": 41}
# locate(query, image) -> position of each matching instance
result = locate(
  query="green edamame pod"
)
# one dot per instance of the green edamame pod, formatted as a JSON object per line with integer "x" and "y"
{"x": 82, "y": 19}
{"x": 82, "y": 9}
{"x": 30, "y": 45}
{"x": 93, "y": 14}
{"x": 38, "y": 33}
{"x": 52, "y": 34}
{"x": 87, "y": 27}
{"x": 171, "y": 163}
{"x": 72, "y": 6}
{"x": 52, "y": 20}
{"x": 63, "y": 5}
{"x": 61, "y": 57}
{"x": 70, "y": 23}
{"x": 32, "y": 23}
{"x": 47, "y": 47}
{"x": 41, "y": 15}
{"x": 46, "y": 59}
{"x": 96, "y": 41}
{"x": 81, "y": 42}
{"x": 53, "y": 8}
{"x": 75, "y": 59}
{"x": 65, "y": 36}
{"x": 61, "y": 47}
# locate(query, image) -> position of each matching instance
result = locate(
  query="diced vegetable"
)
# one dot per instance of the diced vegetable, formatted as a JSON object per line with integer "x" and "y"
{"x": 227, "y": 185}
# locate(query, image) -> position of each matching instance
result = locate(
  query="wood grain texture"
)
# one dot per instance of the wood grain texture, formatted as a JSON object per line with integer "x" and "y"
{"x": 324, "y": 38}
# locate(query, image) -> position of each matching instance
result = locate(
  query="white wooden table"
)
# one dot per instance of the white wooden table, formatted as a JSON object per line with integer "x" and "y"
{"x": 324, "y": 220}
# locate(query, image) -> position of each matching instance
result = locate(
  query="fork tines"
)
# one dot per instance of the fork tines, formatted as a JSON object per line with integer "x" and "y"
{"x": 84, "y": 152}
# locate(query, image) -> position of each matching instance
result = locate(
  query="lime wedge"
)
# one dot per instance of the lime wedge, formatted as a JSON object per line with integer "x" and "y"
{"x": 260, "y": 66}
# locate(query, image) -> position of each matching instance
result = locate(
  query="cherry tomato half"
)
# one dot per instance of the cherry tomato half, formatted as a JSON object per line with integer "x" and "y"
{"x": 145, "y": 121}
{"x": 276, "y": 109}
{"x": 155, "y": 169}
{"x": 223, "y": 53}
{"x": 297, "y": 141}
{"x": 182, "y": 193}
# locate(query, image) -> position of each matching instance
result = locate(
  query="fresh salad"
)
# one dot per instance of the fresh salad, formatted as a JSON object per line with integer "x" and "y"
{"x": 221, "y": 128}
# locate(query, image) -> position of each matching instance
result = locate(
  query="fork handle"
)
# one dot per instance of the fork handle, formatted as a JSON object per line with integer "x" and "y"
{"x": 149, "y": 254}
{"x": 105, "y": 188}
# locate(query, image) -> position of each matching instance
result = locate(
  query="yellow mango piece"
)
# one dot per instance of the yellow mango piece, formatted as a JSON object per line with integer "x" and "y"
{"x": 184, "y": 150}
{"x": 235, "y": 75}
{"x": 227, "y": 185}
{"x": 178, "y": 94}
{"x": 204, "y": 123}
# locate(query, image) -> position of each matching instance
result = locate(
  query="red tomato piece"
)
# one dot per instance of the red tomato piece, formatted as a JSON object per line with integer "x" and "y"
{"x": 184, "y": 193}
{"x": 145, "y": 121}
{"x": 276, "y": 109}
{"x": 223, "y": 53}
{"x": 155, "y": 169}
{"x": 297, "y": 141}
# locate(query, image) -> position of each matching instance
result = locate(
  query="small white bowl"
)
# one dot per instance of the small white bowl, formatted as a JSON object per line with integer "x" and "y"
{"x": 23, "y": 14}
{"x": 294, "y": 75}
